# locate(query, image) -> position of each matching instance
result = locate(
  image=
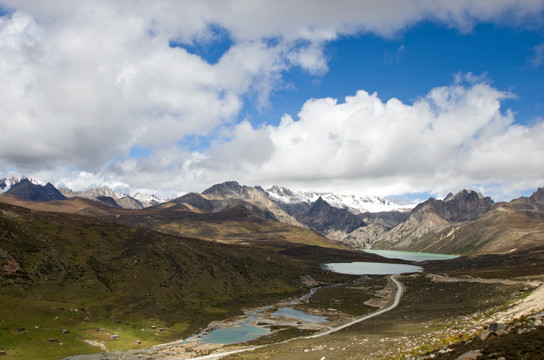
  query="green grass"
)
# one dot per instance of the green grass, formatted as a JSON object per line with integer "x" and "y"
{"x": 133, "y": 275}
{"x": 43, "y": 324}
{"x": 280, "y": 334}
{"x": 348, "y": 298}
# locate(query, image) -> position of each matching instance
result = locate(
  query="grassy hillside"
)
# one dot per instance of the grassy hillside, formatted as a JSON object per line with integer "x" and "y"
{"x": 77, "y": 273}
{"x": 234, "y": 224}
{"x": 501, "y": 230}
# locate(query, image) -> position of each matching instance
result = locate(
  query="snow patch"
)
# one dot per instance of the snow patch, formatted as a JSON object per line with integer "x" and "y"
{"x": 353, "y": 203}
{"x": 8, "y": 182}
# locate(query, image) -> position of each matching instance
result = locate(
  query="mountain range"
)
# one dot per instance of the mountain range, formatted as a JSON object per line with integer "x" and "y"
{"x": 353, "y": 203}
{"x": 466, "y": 222}
{"x": 279, "y": 195}
{"x": 29, "y": 189}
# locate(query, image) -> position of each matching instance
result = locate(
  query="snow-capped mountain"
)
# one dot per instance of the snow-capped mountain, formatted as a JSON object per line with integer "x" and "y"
{"x": 104, "y": 194}
{"x": 148, "y": 200}
{"x": 8, "y": 182}
{"x": 353, "y": 203}
{"x": 91, "y": 193}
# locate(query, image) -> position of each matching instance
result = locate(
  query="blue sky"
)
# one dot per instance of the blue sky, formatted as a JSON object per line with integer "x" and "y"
{"x": 409, "y": 64}
{"x": 392, "y": 98}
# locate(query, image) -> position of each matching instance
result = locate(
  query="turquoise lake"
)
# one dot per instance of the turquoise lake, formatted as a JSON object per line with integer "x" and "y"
{"x": 297, "y": 314}
{"x": 410, "y": 255}
{"x": 371, "y": 268}
{"x": 236, "y": 334}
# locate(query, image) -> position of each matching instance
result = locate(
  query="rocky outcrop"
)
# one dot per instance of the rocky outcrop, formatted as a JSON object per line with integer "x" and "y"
{"x": 360, "y": 238}
{"x": 466, "y": 205}
{"x": 533, "y": 203}
{"x": 520, "y": 339}
{"x": 323, "y": 217}
{"x": 386, "y": 219}
{"x": 25, "y": 189}
{"x": 108, "y": 200}
{"x": 230, "y": 193}
{"x": 127, "y": 202}
{"x": 433, "y": 216}
{"x": 409, "y": 232}
{"x": 469, "y": 223}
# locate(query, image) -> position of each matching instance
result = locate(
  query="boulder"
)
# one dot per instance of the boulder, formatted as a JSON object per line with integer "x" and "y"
{"x": 484, "y": 335}
{"x": 470, "y": 355}
{"x": 496, "y": 327}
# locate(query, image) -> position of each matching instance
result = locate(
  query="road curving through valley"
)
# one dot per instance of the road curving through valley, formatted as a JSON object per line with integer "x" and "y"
{"x": 396, "y": 301}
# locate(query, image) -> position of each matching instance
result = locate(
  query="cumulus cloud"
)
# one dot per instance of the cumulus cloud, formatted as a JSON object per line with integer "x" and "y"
{"x": 455, "y": 136}
{"x": 87, "y": 92}
{"x": 83, "y": 82}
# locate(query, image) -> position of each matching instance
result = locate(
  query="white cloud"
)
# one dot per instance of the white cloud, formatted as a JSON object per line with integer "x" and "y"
{"x": 456, "y": 136}
{"x": 84, "y": 81}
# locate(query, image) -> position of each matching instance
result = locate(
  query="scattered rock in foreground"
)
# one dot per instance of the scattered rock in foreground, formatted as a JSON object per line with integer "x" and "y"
{"x": 521, "y": 339}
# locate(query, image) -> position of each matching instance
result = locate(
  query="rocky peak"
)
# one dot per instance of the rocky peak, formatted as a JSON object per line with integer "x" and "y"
{"x": 320, "y": 203}
{"x": 224, "y": 189}
{"x": 321, "y": 216}
{"x": 281, "y": 191}
{"x": 127, "y": 202}
{"x": 538, "y": 196}
{"x": 232, "y": 190}
{"x": 469, "y": 195}
{"x": 26, "y": 189}
{"x": 108, "y": 200}
{"x": 8, "y": 182}
{"x": 197, "y": 201}
{"x": 148, "y": 200}
{"x": 97, "y": 192}
{"x": 533, "y": 202}
{"x": 466, "y": 205}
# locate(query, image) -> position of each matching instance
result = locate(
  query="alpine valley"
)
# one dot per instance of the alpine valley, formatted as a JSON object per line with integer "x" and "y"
{"x": 97, "y": 274}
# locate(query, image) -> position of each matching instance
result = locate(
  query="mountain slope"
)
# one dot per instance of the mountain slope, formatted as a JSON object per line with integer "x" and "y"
{"x": 242, "y": 223}
{"x": 466, "y": 205}
{"x": 501, "y": 230}
{"x": 375, "y": 225}
{"x": 237, "y": 222}
{"x": 488, "y": 227}
{"x": 231, "y": 190}
{"x": 123, "y": 270}
{"x": 355, "y": 204}
{"x": 27, "y": 190}
{"x": 323, "y": 217}
{"x": 353, "y": 220}
{"x": 433, "y": 216}
{"x": 127, "y": 202}
{"x": 533, "y": 203}
{"x": 106, "y": 196}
